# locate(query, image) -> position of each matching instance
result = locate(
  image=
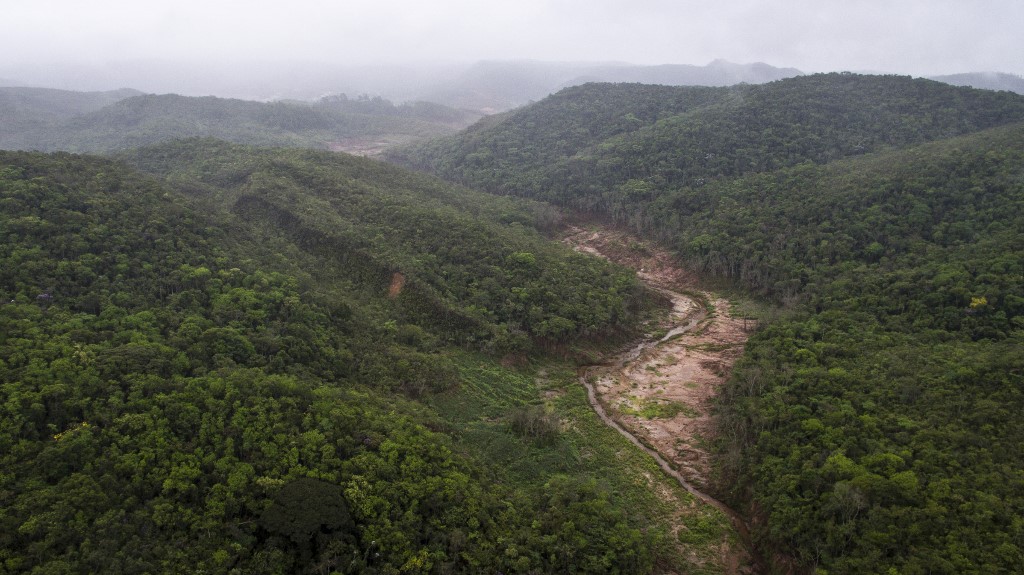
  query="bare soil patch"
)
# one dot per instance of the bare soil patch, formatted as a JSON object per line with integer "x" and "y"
{"x": 662, "y": 391}
{"x": 664, "y": 395}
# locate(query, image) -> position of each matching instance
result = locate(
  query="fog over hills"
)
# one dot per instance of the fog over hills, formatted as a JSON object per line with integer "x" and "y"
{"x": 43, "y": 103}
{"x": 488, "y": 86}
{"x": 485, "y": 86}
{"x": 50, "y": 120}
{"x": 501, "y": 85}
{"x": 985, "y": 81}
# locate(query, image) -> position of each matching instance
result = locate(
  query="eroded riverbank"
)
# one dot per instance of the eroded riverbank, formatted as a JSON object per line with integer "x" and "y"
{"x": 659, "y": 393}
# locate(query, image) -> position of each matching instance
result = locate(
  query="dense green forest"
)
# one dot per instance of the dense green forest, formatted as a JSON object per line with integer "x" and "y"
{"x": 38, "y": 119}
{"x": 874, "y": 425}
{"x": 473, "y": 267}
{"x": 880, "y": 426}
{"x": 253, "y": 361}
{"x": 222, "y": 358}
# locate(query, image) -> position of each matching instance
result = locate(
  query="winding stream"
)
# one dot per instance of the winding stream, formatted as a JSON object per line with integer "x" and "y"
{"x": 620, "y": 361}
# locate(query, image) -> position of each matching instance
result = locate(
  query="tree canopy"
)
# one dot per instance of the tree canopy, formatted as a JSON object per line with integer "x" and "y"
{"x": 186, "y": 385}
{"x": 872, "y": 426}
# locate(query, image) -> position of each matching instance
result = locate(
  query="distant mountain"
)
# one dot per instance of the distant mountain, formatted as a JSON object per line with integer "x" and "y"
{"x": 247, "y": 80}
{"x": 48, "y": 104}
{"x": 102, "y": 122}
{"x": 487, "y": 87}
{"x": 985, "y": 81}
{"x": 497, "y": 86}
{"x": 25, "y": 112}
{"x": 717, "y": 73}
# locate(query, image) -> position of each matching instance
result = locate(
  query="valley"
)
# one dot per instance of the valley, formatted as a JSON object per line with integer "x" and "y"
{"x": 659, "y": 393}
{"x": 664, "y": 388}
{"x": 591, "y": 334}
{"x": 872, "y": 219}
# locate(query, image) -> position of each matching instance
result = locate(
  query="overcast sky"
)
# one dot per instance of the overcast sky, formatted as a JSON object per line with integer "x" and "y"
{"x": 918, "y": 37}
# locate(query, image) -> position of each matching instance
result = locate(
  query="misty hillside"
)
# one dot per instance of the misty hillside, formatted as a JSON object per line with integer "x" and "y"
{"x": 587, "y": 145}
{"x": 334, "y": 122}
{"x": 43, "y": 104}
{"x": 985, "y": 81}
{"x": 500, "y": 85}
{"x": 258, "y": 80}
{"x": 717, "y": 73}
{"x": 27, "y": 112}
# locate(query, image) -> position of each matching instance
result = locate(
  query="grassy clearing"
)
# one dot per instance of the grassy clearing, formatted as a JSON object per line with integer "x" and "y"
{"x": 745, "y": 306}
{"x": 481, "y": 412}
{"x": 654, "y": 408}
{"x": 704, "y": 529}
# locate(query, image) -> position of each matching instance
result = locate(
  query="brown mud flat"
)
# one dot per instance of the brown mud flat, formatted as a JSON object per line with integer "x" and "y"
{"x": 661, "y": 391}
{"x": 664, "y": 394}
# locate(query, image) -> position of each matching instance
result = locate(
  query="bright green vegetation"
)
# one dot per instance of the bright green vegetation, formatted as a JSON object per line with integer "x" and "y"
{"x": 203, "y": 367}
{"x": 660, "y": 409}
{"x": 875, "y": 427}
{"x": 495, "y": 414}
{"x": 69, "y": 121}
{"x": 704, "y": 529}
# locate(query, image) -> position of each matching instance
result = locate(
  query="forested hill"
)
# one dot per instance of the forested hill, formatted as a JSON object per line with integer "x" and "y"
{"x": 875, "y": 426}
{"x": 880, "y": 429}
{"x": 474, "y": 267}
{"x": 502, "y": 85}
{"x": 583, "y": 143}
{"x": 149, "y": 119}
{"x": 215, "y": 367}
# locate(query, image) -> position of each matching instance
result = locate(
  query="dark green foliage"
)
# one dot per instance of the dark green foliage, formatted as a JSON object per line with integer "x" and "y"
{"x": 472, "y": 268}
{"x": 882, "y": 421}
{"x": 586, "y": 146}
{"x": 177, "y": 395}
{"x": 307, "y": 508}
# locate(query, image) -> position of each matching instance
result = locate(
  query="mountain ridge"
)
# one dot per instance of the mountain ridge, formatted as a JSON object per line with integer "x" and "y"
{"x": 583, "y": 143}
